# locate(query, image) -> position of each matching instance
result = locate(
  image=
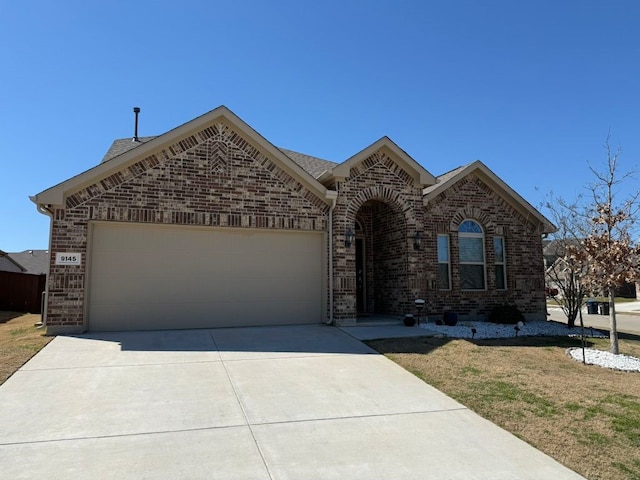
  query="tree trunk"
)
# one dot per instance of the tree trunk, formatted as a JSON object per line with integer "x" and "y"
{"x": 582, "y": 340}
{"x": 613, "y": 328}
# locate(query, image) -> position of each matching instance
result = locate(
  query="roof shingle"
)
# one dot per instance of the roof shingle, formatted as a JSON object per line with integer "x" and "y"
{"x": 123, "y": 145}
{"x": 312, "y": 165}
{"x": 444, "y": 178}
{"x": 35, "y": 262}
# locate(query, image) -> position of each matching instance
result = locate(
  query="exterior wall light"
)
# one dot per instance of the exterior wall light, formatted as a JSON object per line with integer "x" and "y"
{"x": 348, "y": 237}
{"x": 417, "y": 241}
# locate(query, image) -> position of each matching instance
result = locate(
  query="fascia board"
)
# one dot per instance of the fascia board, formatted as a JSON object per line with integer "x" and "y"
{"x": 515, "y": 199}
{"x": 419, "y": 173}
{"x": 56, "y": 195}
{"x": 499, "y": 186}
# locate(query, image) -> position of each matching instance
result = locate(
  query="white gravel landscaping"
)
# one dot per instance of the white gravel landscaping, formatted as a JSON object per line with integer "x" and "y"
{"x": 606, "y": 359}
{"x": 494, "y": 330}
{"x": 541, "y": 328}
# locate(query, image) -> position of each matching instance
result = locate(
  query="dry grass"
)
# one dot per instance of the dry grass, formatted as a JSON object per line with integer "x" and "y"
{"x": 19, "y": 341}
{"x": 586, "y": 417}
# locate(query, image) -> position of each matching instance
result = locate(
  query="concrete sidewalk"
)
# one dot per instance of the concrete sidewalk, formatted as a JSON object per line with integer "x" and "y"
{"x": 627, "y": 318}
{"x": 374, "y": 332}
{"x": 305, "y": 402}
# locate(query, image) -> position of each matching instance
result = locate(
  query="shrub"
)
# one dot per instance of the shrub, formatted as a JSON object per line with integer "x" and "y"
{"x": 506, "y": 314}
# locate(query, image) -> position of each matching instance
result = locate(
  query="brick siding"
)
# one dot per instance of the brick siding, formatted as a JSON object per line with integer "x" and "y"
{"x": 471, "y": 198}
{"x": 218, "y": 178}
{"x": 388, "y": 205}
{"x": 212, "y": 178}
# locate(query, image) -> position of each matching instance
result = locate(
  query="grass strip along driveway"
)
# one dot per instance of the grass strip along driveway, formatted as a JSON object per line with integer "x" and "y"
{"x": 586, "y": 417}
{"x": 19, "y": 341}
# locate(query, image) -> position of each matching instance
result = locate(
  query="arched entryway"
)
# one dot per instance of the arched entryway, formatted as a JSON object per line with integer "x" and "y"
{"x": 380, "y": 258}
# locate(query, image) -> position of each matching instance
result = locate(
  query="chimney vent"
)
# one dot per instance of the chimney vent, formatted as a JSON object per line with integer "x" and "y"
{"x": 136, "y": 111}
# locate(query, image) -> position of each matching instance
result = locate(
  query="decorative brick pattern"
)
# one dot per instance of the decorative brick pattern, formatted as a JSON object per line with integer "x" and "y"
{"x": 218, "y": 178}
{"x": 380, "y": 160}
{"x": 385, "y": 201}
{"x": 471, "y": 198}
{"x": 212, "y": 178}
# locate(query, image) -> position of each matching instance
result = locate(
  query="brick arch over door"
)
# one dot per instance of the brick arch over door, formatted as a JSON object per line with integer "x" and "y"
{"x": 385, "y": 195}
{"x": 383, "y": 257}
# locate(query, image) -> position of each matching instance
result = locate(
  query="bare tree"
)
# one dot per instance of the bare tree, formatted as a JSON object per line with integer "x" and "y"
{"x": 611, "y": 251}
{"x": 565, "y": 272}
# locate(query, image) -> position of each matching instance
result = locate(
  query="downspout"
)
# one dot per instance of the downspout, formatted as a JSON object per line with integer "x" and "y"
{"x": 334, "y": 199}
{"x": 45, "y": 211}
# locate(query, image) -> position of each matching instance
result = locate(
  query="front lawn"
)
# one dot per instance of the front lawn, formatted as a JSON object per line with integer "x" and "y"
{"x": 586, "y": 417}
{"x": 19, "y": 341}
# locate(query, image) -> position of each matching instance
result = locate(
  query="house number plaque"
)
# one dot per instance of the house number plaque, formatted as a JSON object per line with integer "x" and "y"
{"x": 68, "y": 258}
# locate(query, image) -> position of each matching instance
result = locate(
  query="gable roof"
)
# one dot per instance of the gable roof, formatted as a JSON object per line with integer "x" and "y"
{"x": 35, "y": 262}
{"x": 8, "y": 264}
{"x": 313, "y": 165}
{"x": 343, "y": 170}
{"x": 557, "y": 246}
{"x": 126, "y": 155}
{"x": 448, "y": 179}
{"x": 312, "y": 172}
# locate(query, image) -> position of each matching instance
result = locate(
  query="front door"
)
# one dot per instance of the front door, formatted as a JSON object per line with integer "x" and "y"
{"x": 360, "y": 277}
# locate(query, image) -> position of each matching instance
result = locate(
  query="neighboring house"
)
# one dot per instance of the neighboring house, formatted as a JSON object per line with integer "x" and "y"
{"x": 23, "y": 279}
{"x": 556, "y": 268}
{"x": 551, "y": 251}
{"x": 34, "y": 262}
{"x": 557, "y": 274}
{"x": 211, "y": 225}
{"x": 8, "y": 264}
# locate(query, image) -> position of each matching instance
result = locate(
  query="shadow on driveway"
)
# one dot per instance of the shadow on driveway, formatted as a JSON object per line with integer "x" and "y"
{"x": 292, "y": 339}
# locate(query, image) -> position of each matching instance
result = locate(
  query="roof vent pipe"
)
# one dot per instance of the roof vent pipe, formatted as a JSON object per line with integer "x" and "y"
{"x": 136, "y": 111}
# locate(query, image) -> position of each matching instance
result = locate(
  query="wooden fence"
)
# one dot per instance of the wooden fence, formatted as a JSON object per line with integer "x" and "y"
{"x": 20, "y": 292}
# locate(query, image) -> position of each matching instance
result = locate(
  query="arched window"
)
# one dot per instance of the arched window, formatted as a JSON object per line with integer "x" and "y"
{"x": 471, "y": 247}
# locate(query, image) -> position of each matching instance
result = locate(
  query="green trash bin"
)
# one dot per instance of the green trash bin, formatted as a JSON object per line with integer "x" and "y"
{"x": 604, "y": 308}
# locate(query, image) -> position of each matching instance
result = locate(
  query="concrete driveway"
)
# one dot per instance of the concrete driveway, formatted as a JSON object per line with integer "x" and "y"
{"x": 246, "y": 403}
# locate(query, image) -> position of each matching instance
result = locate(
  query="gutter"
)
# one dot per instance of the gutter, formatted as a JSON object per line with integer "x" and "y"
{"x": 44, "y": 210}
{"x": 333, "y": 196}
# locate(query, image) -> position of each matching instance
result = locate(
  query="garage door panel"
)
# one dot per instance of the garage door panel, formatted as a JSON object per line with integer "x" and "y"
{"x": 200, "y": 315}
{"x": 149, "y": 277}
{"x": 136, "y": 289}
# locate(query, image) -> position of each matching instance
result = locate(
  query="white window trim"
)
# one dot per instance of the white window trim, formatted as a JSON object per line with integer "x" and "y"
{"x": 503, "y": 262}
{"x": 448, "y": 262}
{"x": 484, "y": 255}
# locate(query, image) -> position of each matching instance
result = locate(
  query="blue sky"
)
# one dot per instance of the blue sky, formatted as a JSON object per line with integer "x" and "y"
{"x": 530, "y": 88}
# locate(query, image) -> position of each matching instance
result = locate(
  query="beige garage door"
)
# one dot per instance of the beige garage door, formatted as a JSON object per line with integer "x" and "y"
{"x": 156, "y": 277}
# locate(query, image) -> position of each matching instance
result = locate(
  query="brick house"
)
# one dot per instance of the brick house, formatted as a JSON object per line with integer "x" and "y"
{"x": 211, "y": 225}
